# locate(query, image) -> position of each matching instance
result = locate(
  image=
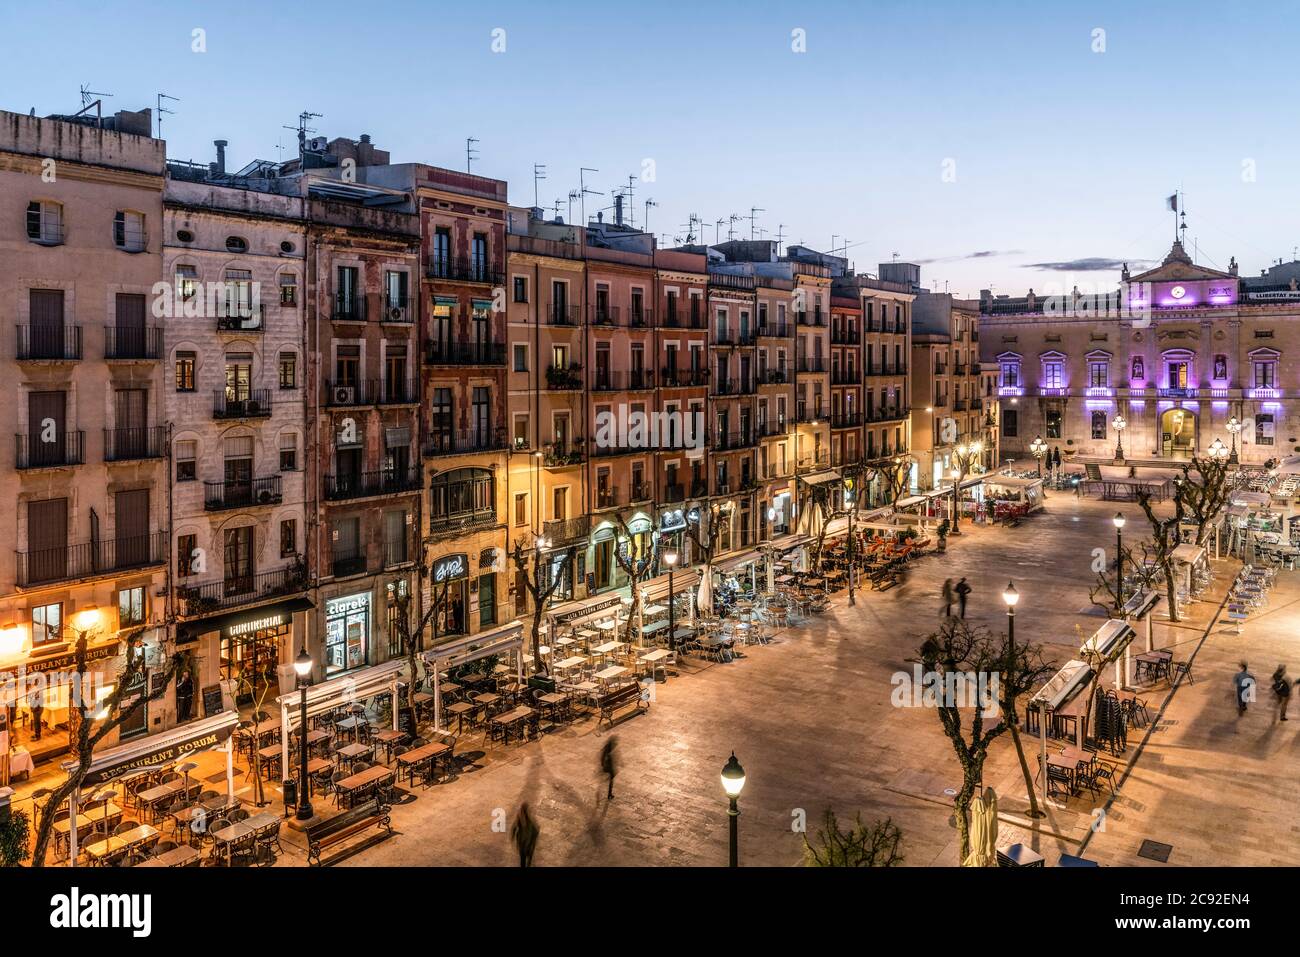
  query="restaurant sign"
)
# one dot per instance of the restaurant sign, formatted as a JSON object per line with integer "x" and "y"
{"x": 564, "y": 617}
{"x": 260, "y": 623}
{"x": 38, "y": 666}
{"x": 451, "y": 568}
{"x": 169, "y": 753}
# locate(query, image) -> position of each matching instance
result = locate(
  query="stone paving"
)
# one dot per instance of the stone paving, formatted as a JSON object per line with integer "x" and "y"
{"x": 810, "y": 718}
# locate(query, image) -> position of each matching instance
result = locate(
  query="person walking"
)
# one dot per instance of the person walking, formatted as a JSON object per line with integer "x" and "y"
{"x": 36, "y": 704}
{"x": 524, "y": 834}
{"x": 1243, "y": 683}
{"x": 609, "y": 764}
{"x": 948, "y": 597}
{"x": 962, "y": 590}
{"x": 1282, "y": 689}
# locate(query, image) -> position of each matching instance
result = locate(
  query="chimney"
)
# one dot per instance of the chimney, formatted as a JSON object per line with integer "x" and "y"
{"x": 618, "y": 210}
{"x": 221, "y": 156}
{"x": 365, "y": 137}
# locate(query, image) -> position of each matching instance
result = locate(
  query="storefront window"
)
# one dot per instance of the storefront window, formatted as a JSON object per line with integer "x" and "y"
{"x": 347, "y": 631}
{"x": 249, "y": 657}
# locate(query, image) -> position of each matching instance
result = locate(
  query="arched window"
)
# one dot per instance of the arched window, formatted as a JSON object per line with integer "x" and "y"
{"x": 462, "y": 497}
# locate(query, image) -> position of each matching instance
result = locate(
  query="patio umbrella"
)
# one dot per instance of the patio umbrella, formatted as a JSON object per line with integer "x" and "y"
{"x": 983, "y": 831}
{"x": 1288, "y": 466}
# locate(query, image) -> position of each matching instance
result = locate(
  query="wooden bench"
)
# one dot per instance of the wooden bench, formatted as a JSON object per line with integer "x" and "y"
{"x": 607, "y": 704}
{"x": 883, "y": 579}
{"x": 340, "y": 827}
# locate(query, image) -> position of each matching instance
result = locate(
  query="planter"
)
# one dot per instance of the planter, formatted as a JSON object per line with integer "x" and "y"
{"x": 544, "y": 682}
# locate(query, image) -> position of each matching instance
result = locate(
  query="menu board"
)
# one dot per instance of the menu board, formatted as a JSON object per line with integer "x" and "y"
{"x": 212, "y": 701}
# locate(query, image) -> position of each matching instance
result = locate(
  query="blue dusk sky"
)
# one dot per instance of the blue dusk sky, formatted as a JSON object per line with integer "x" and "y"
{"x": 996, "y": 143}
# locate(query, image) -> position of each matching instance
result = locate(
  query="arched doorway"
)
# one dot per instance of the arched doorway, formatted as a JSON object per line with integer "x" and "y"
{"x": 1178, "y": 433}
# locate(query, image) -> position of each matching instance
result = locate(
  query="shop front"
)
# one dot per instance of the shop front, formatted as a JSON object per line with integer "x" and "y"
{"x": 244, "y": 653}
{"x": 348, "y": 627}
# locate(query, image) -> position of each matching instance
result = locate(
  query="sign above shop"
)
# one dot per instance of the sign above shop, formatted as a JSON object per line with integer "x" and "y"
{"x": 451, "y": 568}
{"x": 341, "y": 606}
{"x": 169, "y": 752}
{"x": 275, "y": 619}
{"x": 672, "y": 520}
{"x": 65, "y": 661}
{"x": 565, "y": 617}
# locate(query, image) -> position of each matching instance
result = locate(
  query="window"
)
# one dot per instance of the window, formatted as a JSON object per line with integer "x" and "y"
{"x": 1099, "y": 425}
{"x": 186, "y": 546}
{"x": 185, "y": 371}
{"x": 1098, "y": 374}
{"x": 521, "y": 432}
{"x": 187, "y": 283}
{"x": 1265, "y": 373}
{"x": 128, "y": 231}
{"x": 289, "y": 452}
{"x": 521, "y": 357}
{"x": 1264, "y": 429}
{"x": 1011, "y": 374}
{"x": 186, "y": 453}
{"x": 1053, "y": 374}
{"x": 47, "y": 623}
{"x": 288, "y": 370}
{"x": 521, "y": 508}
{"x": 1010, "y": 423}
{"x": 45, "y": 222}
{"x": 289, "y": 538}
{"x": 130, "y": 607}
{"x": 460, "y": 495}
{"x": 521, "y": 289}
{"x": 236, "y": 244}
{"x": 239, "y": 293}
{"x": 184, "y": 236}
{"x": 1053, "y": 423}
{"x": 396, "y": 285}
{"x": 288, "y": 289}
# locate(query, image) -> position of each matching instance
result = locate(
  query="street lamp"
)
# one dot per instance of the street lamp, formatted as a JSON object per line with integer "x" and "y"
{"x": 1119, "y": 425}
{"x": 1218, "y": 452}
{"x": 1038, "y": 448}
{"x": 302, "y": 667}
{"x": 848, "y": 503}
{"x": 1234, "y": 428}
{"x": 1119, "y": 560}
{"x": 670, "y": 559}
{"x": 733, "y": 782}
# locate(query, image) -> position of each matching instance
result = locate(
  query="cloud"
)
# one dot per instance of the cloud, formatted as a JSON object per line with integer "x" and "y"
{"x": 1085, "y": 264}
{"x": 978, "y": 254}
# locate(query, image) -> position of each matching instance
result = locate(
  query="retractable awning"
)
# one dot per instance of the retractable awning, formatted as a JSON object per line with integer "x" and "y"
{"x": 1109, "y": 641}
{"x": 819, "y": 478}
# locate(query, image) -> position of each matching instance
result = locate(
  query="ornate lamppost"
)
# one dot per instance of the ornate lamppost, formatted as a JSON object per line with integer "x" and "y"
{"x": 1119, "y": 425}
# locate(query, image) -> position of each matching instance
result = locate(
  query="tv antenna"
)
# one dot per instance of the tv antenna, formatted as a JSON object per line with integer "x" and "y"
{"x": 539, "y": 173}
{"x": 693, "y": 221}
{"x": 894, "y": 256}
{"x": 583, "y": 192}
{"x": 88, "y": 96}
{"x": 162, "y": 109}
{"x": 731, "y": 229}
{"x": 753, "y": 213}
{"x": 573, "y": 194}
{"x": 780, "y": 235}
{"x": 302, "y": 129}
{"x": 470, "y": 151}
{"x": 646, "y": 218}
{"x": 717, "y": 231}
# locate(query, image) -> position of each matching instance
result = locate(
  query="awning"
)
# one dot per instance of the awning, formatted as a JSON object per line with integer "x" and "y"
{"x": 397, "y": 438}
{"x": 64, "y": 661}
{"x": 587, "y": 609}
{"x": 1109, "y": 641}
{"x": 273, "y": 614}
{"x": 655, "y": 590}
{"x": 791, "y": 543}
{"x": 349, "y": 687}
{"x": 912, "y": 500}
{"x": 1142, "y": 604}
{"x": 1011, "y": 481}
{"x": 1252, "y": 498}
{"x": 158, "y": 749}
{"x": 733, "y": 562}
{"x": 819, "y": 478}
{"x": 473, "y": 647}
{"x": 1188, "y": 553}
{"x": 1063, "y": 685}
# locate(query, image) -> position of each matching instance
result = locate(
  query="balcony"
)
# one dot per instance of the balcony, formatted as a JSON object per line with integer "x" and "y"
{"x": 561, "y": 315}
{"x": 682, "y": 319}
{"x": 816, "y": 318}
{"x": 683, "y": 378}
{"x": 609, "y": 497}
{"x": 729, "y": 441}
{"x": 41, "y": 452}
{"x": 136, "y": 344}
{"x": 448, "y": 442}
{"x": 88, "y": 559}
{"x": 774, "y": 330}
{"x": 555, "y": 456}
{"x": 220, "y": 496}
{"x": 463, "y": 521}
{"x": 458, "y": 269}
{"x": 842, "y": 337}
{"x": 778, "y": 376}
{"x": 959, "y": 368}
{"x": 399, "y": 392}
{"x": 245, "y": 319}
{"x": 632, "y": 381}
{"x": 815, "y": 364}
{"x": 739, "y": 385}
{"x": 397, "y": 309}
{"x": 350, "y": 485}
{"x": 562, "y": 379}
{"x": 126, "y": 445}
{"x": 344, "y": 393}
{"x": 734, "y": 337}
{"x": 464, "y": 353}
{"x": 348, "y": 560}
{"x": 772, "y": 428}
{"x": 614, "y": 316}
{"x": 845, "y": 377}
{"x": 640, "y": 492}
{"x": 674, "y": 493}
{"x": 49, "y": 343}
{"x": 959, "y": 405}
{"x": 349, "y": 308}
{"x": 256, "y": 404}
{"x": 567, "y": 531}
{"x": 846, "y": 420}
{"x": 240, "y": 590}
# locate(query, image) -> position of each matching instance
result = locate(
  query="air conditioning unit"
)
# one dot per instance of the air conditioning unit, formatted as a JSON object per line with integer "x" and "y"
{"x": 344, "y": 394}
{"x": 395, "y": 313}
{"x": 264, "y": 496}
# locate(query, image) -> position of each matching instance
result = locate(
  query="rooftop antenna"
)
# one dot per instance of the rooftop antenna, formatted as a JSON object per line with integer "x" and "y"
{"x": 573, "y": 194}
{"x": 539, "y": 173}
{"x": 894, "y": 256}
{"x": 557, "y": 207}
{"x": 97, "y": 102}
{"x": 717, "y": 231}
{"x": 302, "y": 129}
{"x": 470, "y": 152}
{"x": 162, "y": 109}
{"x": 583, "y": 192}
{"x": 780, "y": 235}
{"x": 692, "y": 222}
{"x": 627, "y": 193}
{"x": 646, "y": 217}
{"x": 753, "y": 214}
{"x": 833, "y": 238}
{"x": 731, "y": 229}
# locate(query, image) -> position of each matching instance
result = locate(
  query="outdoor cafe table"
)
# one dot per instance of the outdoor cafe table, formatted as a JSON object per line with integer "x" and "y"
{"x": 1155, "y": 663}
{"x": 652, "y": 658}
{"x": 477, "y": 677}
{"x": 225, "y": 838}
{"x": 361, "y": 779}
{"x": 410, "y": 761}
{"x": 178, "y": 856}
{"x": 389, "y": 738}
{"x": 351, "y": 724}
{"x": 87, "y": 820}
{"x": 317, "y": 765}
{"x": 784, "y": 579}
{"x": 99, "y": 851}
{"x": 512, "y": 719}
{"x": 568, "y": 663}
{"x": 460, "y": 709}
{"x": 654, "y": 610}
{"x": 553, "y": 702}
{"x": 206, "y": 808}
{"x": 608, "y": 648}
{"x": 610, "y": 673}
{"x": 150, "y": 798}
{"x": 352, "y": 752}
{"x": 608, "y": 624}
{"x": 270, "y": 755}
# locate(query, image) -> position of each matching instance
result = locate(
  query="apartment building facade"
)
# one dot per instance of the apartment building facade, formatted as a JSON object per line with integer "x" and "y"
{"x": 946, "y": 376}
{"x": 85, "y": 551}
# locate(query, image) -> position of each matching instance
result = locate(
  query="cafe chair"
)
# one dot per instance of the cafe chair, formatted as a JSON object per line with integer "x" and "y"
{"x": 162, "y": 847}
{"x": 124, "y": 826}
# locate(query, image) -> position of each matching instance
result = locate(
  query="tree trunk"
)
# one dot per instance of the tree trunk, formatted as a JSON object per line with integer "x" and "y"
{"x": 1171, "y": 594}
{"x": 1034, "y": 810}
{"x": 539, "y": 667}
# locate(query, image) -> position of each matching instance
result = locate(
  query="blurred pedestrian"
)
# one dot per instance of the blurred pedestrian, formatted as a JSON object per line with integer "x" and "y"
{"x": 609, "y": 763}
{"x": 1243, "y": 683}
{"x": 948, "y": 597}
{"x": 1282, "y": 689}
{"x": 962, "y": 590}
{"x": 524, "y": 834}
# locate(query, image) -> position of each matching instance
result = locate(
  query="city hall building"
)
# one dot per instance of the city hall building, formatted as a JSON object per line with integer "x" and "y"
{"x": 1165, "y": 365}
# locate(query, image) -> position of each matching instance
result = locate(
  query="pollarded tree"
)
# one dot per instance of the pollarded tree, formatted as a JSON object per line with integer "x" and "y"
{"x": 1205, "y": 497}
{"x": 90, "y": 729}
{"x": 637, "y": 570}
{"x": 878, "y": 844}
{"x": 541, "y": 587}
{"x": 1165, "y": 538}
{"x": 704, "y": 541}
